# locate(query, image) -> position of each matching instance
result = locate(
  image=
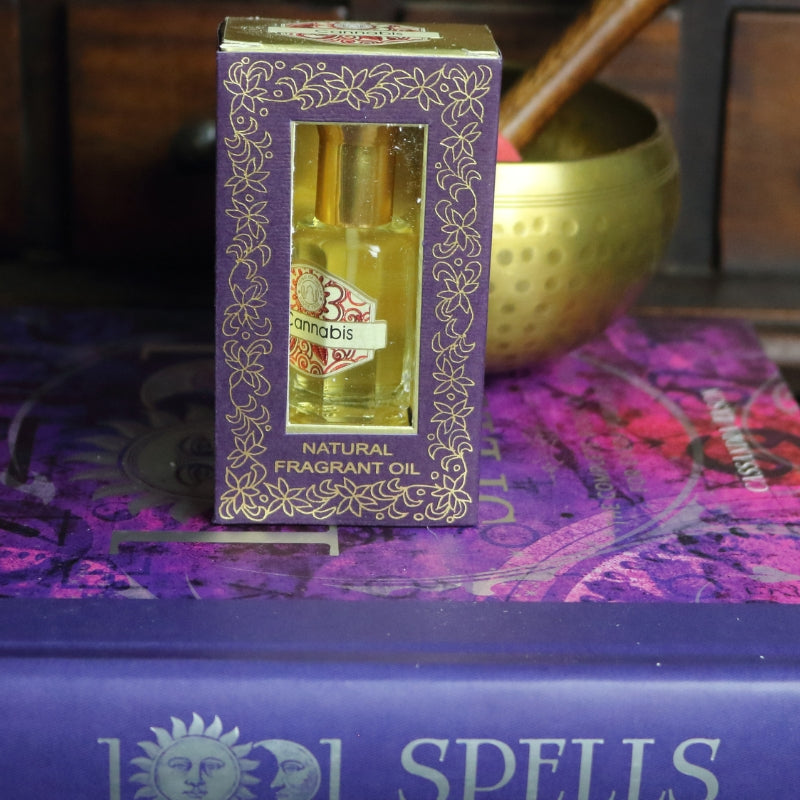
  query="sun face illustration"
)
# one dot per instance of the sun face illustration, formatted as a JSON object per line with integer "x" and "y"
{"x": 198, "y": 762}
{"x": 166, "y": 461}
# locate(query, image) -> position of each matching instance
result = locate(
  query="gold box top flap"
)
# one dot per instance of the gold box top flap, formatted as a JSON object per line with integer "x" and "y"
{"x": 261, "y": 34}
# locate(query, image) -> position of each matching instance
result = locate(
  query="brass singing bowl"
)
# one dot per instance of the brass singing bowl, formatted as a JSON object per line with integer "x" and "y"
{"x": 580, "y": 226}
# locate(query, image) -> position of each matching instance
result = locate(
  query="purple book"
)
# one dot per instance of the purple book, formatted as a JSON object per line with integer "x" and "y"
{"x": 657, "y": 463}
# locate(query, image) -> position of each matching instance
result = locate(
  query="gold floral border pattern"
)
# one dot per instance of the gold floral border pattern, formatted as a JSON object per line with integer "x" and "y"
{"x": 456, "y": 94}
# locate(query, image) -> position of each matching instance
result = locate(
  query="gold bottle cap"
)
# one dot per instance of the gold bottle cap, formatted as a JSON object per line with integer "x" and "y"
{"x": 355, "y": 180}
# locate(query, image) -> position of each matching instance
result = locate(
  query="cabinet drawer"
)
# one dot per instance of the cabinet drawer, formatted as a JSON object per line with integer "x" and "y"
{"x": 142, "y": 105}
{"x": 760, "y": 195}
{"x": 11, "y": 147}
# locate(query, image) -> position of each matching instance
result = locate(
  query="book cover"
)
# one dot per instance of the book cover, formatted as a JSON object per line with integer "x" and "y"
{"x": 619, "y": 625}
{"x": 657, "y": 463}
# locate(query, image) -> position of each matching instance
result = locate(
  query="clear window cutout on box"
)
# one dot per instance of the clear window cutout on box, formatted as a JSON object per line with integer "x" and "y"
{"x": 354, "y": 314}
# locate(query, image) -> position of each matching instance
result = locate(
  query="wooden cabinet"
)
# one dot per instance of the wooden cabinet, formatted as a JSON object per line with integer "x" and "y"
{"x": 11, "y": 140}
{"x": 141, "y": 109}
{"x": 116, "y": 100}
{"x": 760, "y": 187}
{"x": 141, "y": 129}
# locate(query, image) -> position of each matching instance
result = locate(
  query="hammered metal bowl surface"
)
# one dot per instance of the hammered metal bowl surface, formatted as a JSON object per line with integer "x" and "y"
{"x": 579, "y": 226}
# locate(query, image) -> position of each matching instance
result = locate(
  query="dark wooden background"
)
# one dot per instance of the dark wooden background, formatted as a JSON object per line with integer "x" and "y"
{"x": 106, "y": 126}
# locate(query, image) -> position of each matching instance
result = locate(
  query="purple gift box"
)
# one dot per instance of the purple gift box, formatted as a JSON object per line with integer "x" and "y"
{"x": 355, "y": 192}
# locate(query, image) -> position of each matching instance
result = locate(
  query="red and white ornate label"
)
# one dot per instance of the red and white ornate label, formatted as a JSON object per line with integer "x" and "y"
{"x": 332, "y": 323}
{"x": 354, "y": 33}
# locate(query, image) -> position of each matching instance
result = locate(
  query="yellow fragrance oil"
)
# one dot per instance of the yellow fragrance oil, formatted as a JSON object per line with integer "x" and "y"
{"x": 354, "y": 318}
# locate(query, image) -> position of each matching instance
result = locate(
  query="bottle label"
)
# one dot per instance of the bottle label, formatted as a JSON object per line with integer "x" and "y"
{"x": 332, "y": 325}
{"x": 354, "y": 33}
